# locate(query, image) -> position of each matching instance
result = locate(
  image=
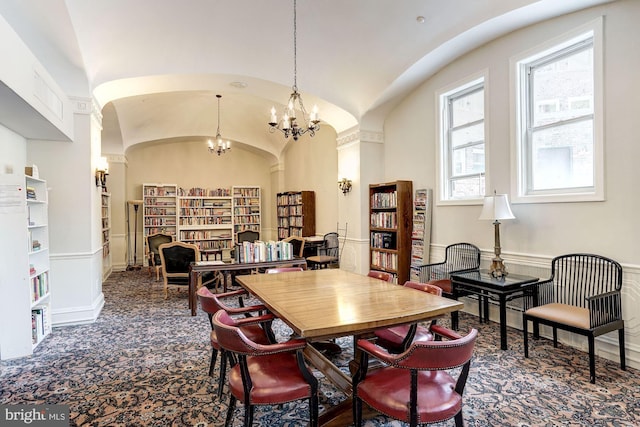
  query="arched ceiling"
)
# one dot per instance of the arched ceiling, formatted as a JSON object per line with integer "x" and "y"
{"x": 156, "y": 65}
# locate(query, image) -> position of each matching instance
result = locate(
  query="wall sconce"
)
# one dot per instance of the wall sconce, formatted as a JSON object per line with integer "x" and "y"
{"x": 102, "y": 170}
{"x": 345, "y": 185}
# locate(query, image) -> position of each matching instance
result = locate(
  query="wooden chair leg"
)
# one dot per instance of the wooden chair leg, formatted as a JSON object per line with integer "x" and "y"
{"x": 214, "y": 356}
{"x": 232, "y": 407}
{"x": 623, "y": 364}
{"x": 592, "y": 360}
{"x": 525, "y": 333}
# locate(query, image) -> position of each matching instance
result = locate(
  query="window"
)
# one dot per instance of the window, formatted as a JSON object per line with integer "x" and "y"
{"x": 462, "y": 147}
{"x": 559, "y": 147}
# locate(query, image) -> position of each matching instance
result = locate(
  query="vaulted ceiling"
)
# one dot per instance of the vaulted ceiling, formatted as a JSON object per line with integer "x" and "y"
{"x": 156, "y": 65}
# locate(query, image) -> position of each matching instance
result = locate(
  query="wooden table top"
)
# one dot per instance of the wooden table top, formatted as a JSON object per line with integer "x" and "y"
{"x": 321, "y": 304}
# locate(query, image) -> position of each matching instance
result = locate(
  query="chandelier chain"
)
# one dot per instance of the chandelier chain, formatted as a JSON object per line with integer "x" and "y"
{"x": 295, "y": 48}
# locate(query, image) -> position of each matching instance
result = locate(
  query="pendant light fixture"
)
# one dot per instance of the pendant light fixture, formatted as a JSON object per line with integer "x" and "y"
{"x": 219, "y": 146}
{"x": 289, "y": 124}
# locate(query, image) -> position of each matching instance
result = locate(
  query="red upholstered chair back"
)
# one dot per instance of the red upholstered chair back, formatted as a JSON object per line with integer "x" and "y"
{"x": 438, "y": 355}
{"x": 231, "y": 337}
{"x": 424, "y": 287}
{"x": 283, "y": 270}
{"x": 382, "y": 275}
{"x": 207, "y": 301}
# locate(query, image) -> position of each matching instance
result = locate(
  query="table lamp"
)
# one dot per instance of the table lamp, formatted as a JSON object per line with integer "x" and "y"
{"x": 495, "y": 208}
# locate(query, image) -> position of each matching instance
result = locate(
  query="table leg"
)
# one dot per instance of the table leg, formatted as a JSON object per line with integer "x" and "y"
{"x": 193, "y": 278}
{"x": 503, "y": 322}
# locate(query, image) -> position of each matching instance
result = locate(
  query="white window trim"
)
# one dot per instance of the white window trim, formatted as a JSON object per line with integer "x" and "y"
{"x": 462, "y": 84}
{"x": 518, "y": 192}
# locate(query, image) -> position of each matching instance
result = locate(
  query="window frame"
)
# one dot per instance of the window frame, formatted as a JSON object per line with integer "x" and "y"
{"x": 522, "y": 102}
{"x": 444, "y": 173}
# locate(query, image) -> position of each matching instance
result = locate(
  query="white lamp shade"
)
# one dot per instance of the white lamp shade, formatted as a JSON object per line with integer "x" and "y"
{"x": 496, "y": 207}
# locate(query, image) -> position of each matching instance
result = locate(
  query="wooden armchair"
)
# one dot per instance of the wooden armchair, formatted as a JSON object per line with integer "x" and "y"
{"x": 153, "y": 254}
{"x": 176, "y": 258}
{"x": 298, "y": 245}
{"x": 581, "y": 296}
{"x": 458, "y": 257}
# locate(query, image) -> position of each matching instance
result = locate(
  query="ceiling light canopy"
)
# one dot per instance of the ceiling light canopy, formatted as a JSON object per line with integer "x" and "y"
{"x": 290, "y": 123}
{"x": 219, "y": 146}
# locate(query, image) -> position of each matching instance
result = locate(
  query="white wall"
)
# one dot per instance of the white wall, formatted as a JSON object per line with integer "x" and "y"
{"x": 540, "y": 231}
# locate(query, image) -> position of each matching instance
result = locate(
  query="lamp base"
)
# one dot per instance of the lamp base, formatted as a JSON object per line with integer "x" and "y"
{"x": 497, "y": 268}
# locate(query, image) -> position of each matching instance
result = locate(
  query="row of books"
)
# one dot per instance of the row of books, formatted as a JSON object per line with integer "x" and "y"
{"x": 160, "y": 191}
{"x": 246, "y": 192}
{"x": 384, "y": 200}
{"x": 205, "y": 220}
{"x": 31, "y": 193}
{"x": 260, "y": 251}
{"x": 248, "y": 219}
{"x": 384, "y": 260}
{"x": 160, "y": 221}
{"x": 383, "y": 240}
{"x": 204, "y": 192}
{"x": 384, "y": 220}
{"x": 246, "y": 210}
{"x": 196, "y": 203}
{"x": 203, "y": 235}
{"x": 40, "y": 286}
{"x": 289, "y": 199}
{"x": 40, "y": 325}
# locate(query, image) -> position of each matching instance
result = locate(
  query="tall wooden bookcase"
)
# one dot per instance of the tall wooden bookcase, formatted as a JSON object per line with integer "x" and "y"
{"x": 246, "y": 209}
{"x": 390, "y": 226}
{"x": 25, "y": 306}
{"x": 296, "y": 214}
{"x": 205, "y": 218}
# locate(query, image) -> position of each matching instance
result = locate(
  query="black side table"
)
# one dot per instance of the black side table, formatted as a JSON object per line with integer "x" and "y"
{"x": 503, "y": 289}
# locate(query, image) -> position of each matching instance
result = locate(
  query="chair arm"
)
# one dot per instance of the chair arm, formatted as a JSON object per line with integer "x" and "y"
{"x": 282, "y": 347}
{"x": 244, "y": 321}
{"x": 425, "y": 274}
{"x": 604, "y": 308}
{"x": 376, "y": 351}
{"x": 245, "y": 310}
{"x": 445, "y": 332}
{"x": 545, "y": 294}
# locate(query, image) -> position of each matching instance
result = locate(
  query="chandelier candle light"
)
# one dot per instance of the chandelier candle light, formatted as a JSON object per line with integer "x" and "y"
{"x": 288, "y": 124}
{"x": 219, "y": 146}
{"x": 495, "y": 208}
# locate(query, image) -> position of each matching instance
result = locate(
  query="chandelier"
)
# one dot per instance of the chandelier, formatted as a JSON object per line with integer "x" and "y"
{"x": 219, "y": 146}
{"x": 288, "y": 124}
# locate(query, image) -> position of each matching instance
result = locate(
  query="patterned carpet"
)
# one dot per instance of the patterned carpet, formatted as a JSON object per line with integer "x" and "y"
{"x": 144, "y": 362}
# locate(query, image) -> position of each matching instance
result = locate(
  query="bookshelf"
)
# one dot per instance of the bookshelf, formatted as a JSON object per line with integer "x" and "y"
{"x": 390, "y": 226}
{"x": 159, "y": 210}
{"x": 296, "y": 214}
{"x": 421, "y": 234}
{"x": 106, "y": 234}
{"x": 205, "y": 218}
{"x": 25, "y": 306}
{"x": 246, "y": 209}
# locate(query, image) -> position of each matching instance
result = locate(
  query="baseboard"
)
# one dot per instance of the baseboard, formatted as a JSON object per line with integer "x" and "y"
{"x": 78, "y": 315}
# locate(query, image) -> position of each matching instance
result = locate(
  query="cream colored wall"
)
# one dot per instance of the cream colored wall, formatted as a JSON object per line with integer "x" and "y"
{"x": 312, "y": 164}
{"x": 609, "y": 228}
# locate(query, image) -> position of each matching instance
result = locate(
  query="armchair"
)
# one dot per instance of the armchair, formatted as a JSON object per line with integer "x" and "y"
{"x": 328, "y": 253}
{"x": 153, "y": 254}
{"x": 398, "y": 338}
{"x": 458, "y": 257}
{"x": 298, "y": 245}
{"x": 176, "y": 258}
{"x": 416, "y": 386}
{"x": 265, "y": 374}
{"x": 582, "y": 296}
{"x": 259, "y": 330}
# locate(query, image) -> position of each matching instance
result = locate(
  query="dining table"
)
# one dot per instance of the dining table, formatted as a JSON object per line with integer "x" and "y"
{"x": 320, "y": 305}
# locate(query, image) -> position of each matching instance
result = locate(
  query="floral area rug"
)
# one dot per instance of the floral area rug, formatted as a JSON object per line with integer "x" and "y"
{"x": 144, "y": 362}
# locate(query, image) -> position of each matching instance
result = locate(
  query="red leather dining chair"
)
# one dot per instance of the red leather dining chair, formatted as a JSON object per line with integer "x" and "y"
{"x": 417, "y": 386}
{"x": 283, "y": 270}
{"x": 382, "y": 275}
{"x": 258, "y": 329}
{"x": 265, "y": 374}
{"x": 398, "y": 338}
